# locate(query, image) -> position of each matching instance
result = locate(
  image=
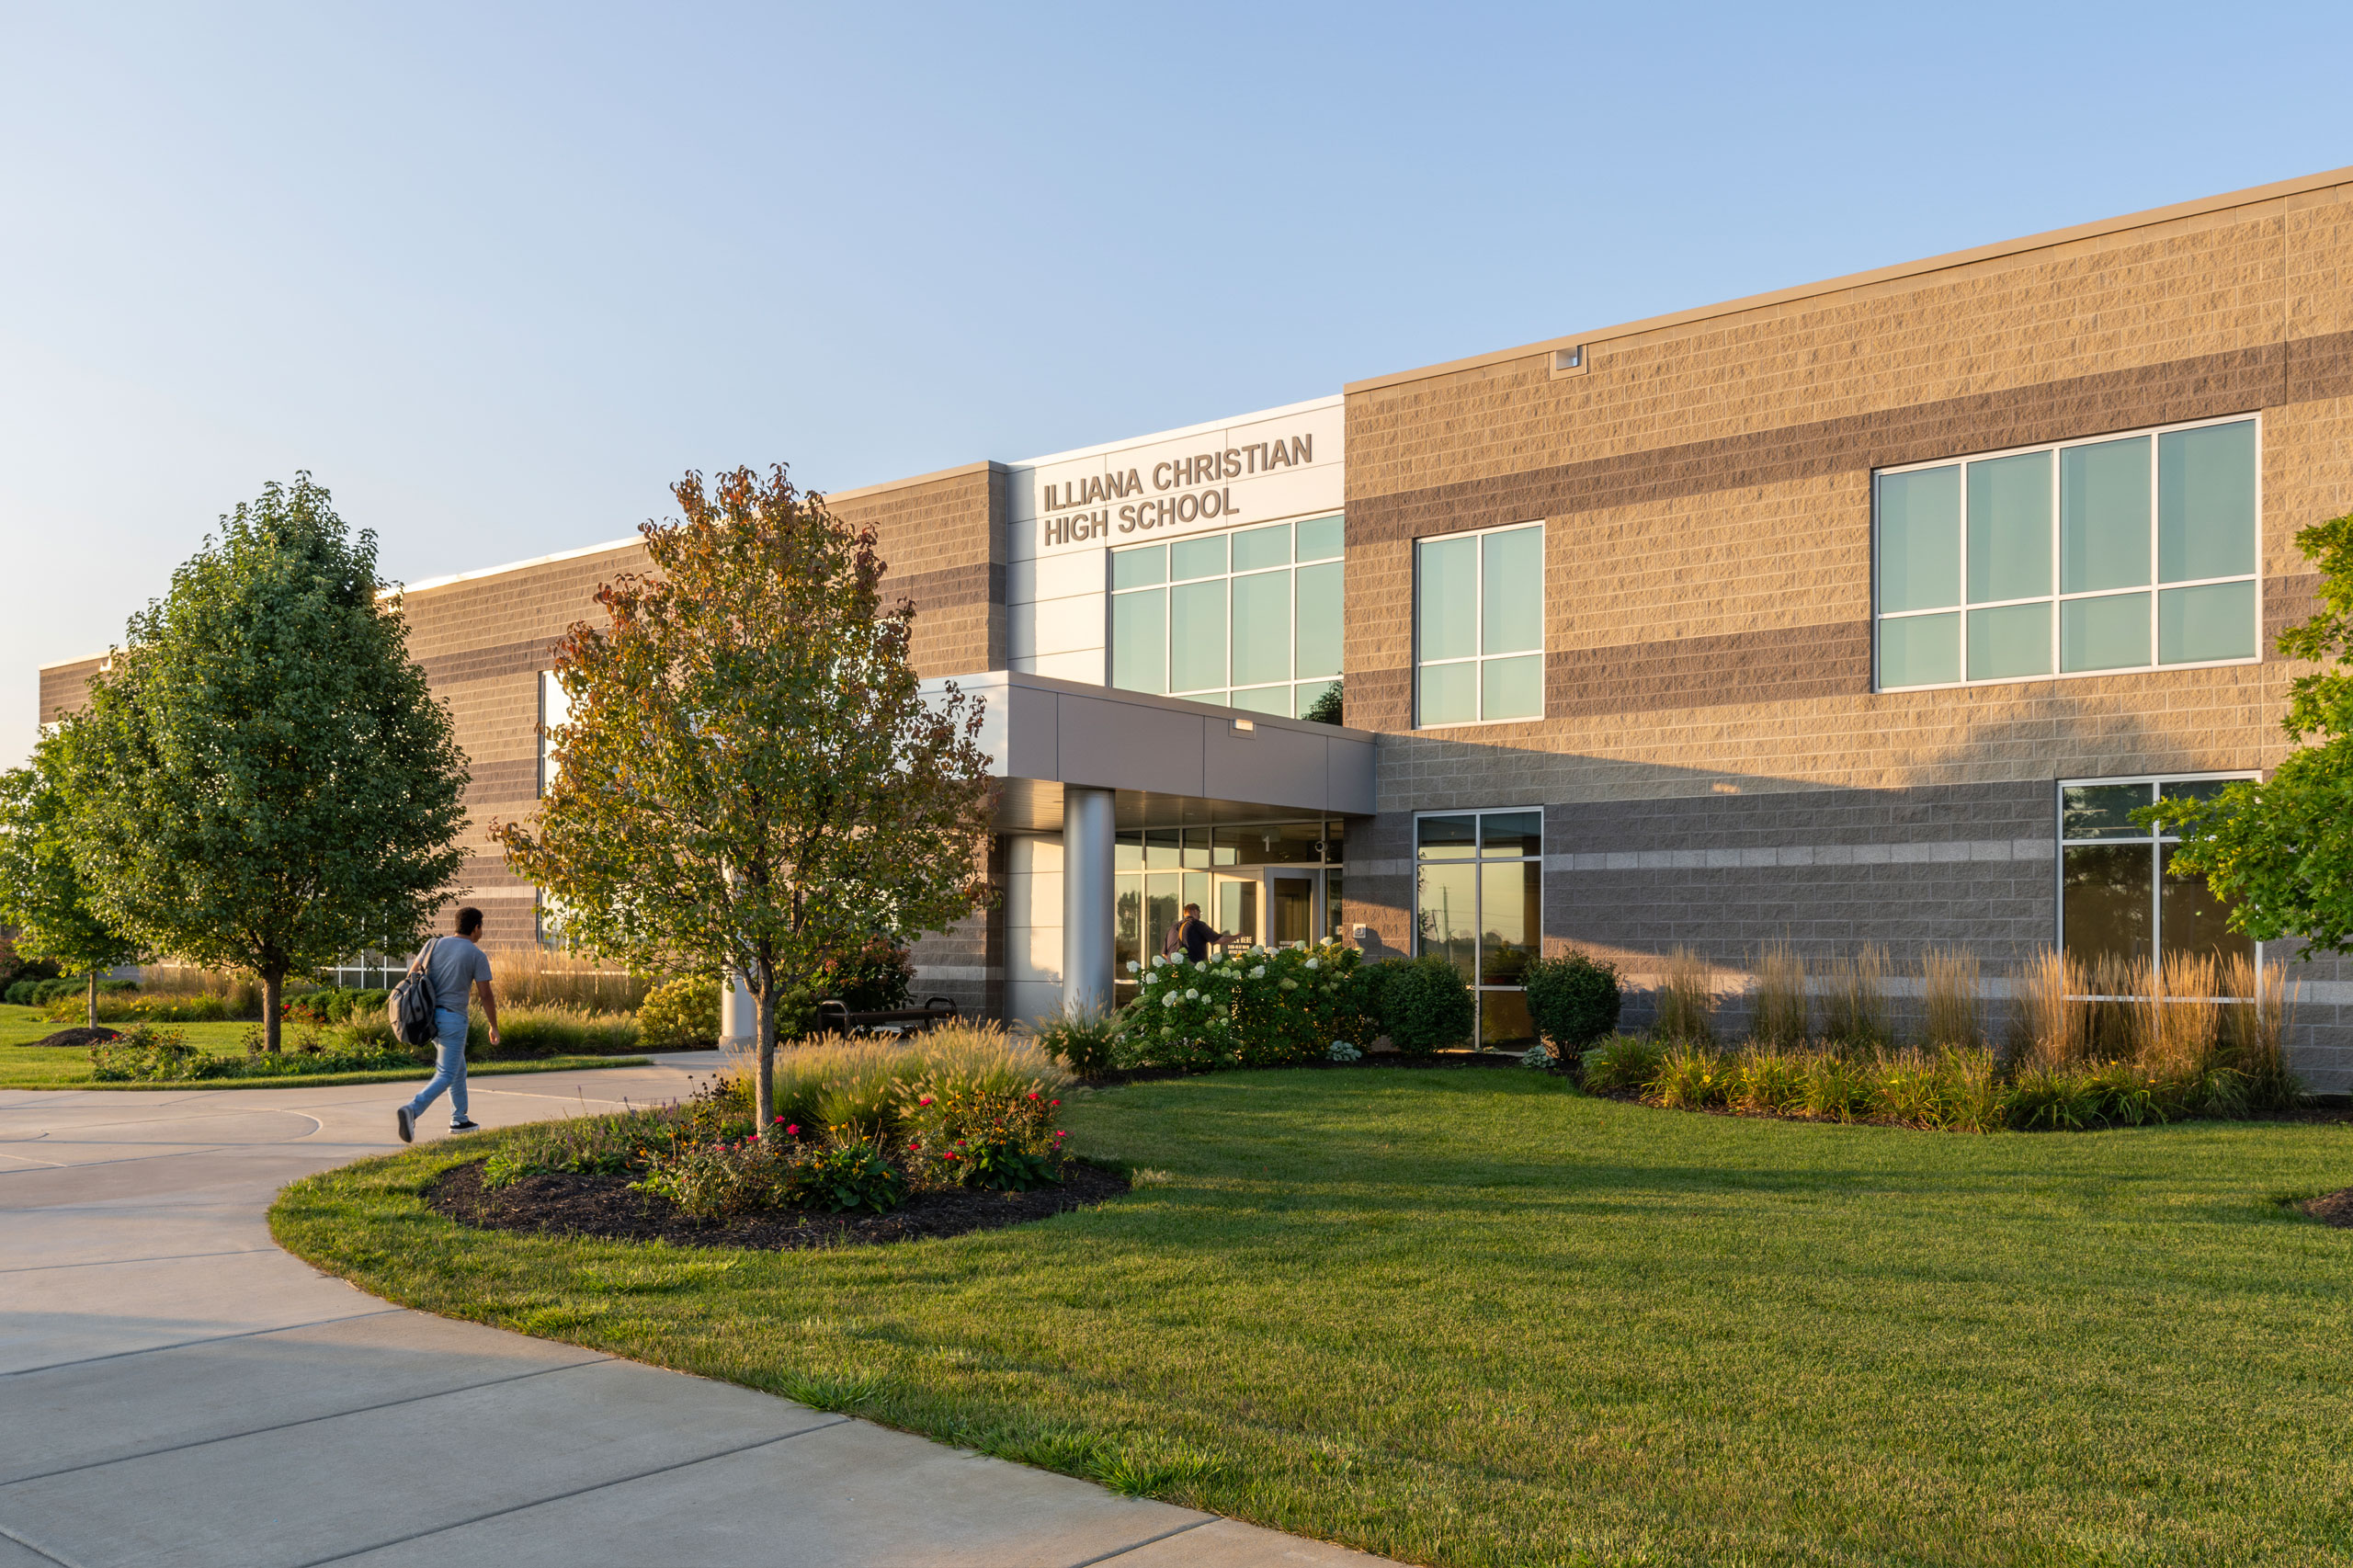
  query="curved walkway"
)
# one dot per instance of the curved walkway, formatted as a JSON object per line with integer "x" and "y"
{"x": 175, "y": 1388}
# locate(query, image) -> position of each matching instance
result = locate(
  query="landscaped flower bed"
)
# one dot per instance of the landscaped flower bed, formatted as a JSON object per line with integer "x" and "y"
{"x": 872, "y": 1142}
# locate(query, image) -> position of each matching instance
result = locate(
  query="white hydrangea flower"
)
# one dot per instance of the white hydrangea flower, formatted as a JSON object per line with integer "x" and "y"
{"x": 1259, "y": 972}
{"x": 1170, "y": 1000}
{"x": 1315, "y": 963}
{"x": 1192, "y": 995}
{"x": 1157, "y": 959}
{"x": 1151, "y": 979}
{"x": 1290, "y": 984}
{"x": 1134, "y": 966}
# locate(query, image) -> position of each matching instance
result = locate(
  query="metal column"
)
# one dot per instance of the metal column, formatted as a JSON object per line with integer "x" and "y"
{"x": 739, "y": 1013}
{"x": 1089, "y": 914}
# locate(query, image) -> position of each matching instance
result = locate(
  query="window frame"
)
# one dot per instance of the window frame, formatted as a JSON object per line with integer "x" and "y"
{"x": 1478, "y": 660}
{"x": 1480, "y": 987}
{"x": 2154, "y": 843}
{"x": 2058, "y": 595}
{"x": 1221, "y": 697}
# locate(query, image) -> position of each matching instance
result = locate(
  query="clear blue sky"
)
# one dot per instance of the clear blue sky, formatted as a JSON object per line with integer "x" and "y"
{"x": 496, "y": 275}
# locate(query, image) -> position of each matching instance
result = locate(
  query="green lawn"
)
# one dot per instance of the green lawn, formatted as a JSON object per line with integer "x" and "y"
{"x": 1475, "y": 1317}
{"x": 51, "y": 1067}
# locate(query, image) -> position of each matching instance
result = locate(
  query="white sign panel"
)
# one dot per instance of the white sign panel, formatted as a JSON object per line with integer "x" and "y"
{"x": 1262, "y": 468}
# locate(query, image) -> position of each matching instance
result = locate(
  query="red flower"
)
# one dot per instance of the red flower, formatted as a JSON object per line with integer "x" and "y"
{"x": 792, "y": 1131}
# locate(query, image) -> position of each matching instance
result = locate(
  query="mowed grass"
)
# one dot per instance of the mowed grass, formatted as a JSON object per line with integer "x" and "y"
{"x": 25, "y": 1066}
{"x": 1475, "y": 1317}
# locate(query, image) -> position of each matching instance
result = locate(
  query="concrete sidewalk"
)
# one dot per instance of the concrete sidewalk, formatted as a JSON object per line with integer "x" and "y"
{"x": 175, "y": 1390}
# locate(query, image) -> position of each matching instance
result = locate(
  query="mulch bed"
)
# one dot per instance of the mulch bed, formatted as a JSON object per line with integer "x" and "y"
{"x": 603, "y": 1206}
{"x": 2334, "y": 1209}
{"x": 80, "y": 1036}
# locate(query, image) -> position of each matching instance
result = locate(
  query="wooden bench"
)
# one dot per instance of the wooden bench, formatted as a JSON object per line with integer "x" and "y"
{"x": 834, "y": 1016}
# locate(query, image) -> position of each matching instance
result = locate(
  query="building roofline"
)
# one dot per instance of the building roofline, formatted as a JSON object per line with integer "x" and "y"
{"x": 1330, "y": 400}
{"x": 84, "y": 659}
{"x": 934, "y": 477}
{"x": 510, "y": 566}
{"x": 2254, "y": 195}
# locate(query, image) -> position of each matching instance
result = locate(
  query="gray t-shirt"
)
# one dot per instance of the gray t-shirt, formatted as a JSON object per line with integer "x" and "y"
{"x": 456, "y": 964}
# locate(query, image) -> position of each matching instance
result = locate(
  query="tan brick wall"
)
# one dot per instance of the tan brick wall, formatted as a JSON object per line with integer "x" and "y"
{"x": 944, "y": 539}
{"x": 1706, "y": 489}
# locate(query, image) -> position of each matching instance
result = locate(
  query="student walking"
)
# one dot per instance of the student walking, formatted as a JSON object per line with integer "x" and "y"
{"x": 1193, "y": 935}
{"x": 451, "y": 965}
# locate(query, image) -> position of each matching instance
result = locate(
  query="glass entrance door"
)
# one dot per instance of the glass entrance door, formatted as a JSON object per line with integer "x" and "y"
{"x": 1291, "y": 907}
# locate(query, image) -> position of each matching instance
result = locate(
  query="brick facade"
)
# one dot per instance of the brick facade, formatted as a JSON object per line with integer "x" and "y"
{"x": 1713, "y": 760}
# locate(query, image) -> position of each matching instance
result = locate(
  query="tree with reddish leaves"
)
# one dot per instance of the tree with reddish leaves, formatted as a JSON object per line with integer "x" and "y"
{"x": 749, "y": 777}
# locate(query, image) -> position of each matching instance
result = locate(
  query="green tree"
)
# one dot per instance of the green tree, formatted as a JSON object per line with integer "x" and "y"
{"x": 2280, "y": 851}
{"x": 262, "y": 780}
{"x": 749, "y": 779}
{"x": 41, "y": 894}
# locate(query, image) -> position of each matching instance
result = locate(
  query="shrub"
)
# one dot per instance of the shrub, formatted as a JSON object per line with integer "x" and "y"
{"x": 1260, "y": 1008}
{"x": 684, "y": 1011}
{"x": 145, "y": 1054}
{"x": 1623, "y": 1065}
{"x": 960, "y": 1136}
{"x": 1425, "y": 1005}
{"x": 1574, "y": 999}
{"x": 872, "y": 978}
{"x": 713, "y": 1181}
{"x": 842, "y": 1175}
{"x": 1086, "y": 1044}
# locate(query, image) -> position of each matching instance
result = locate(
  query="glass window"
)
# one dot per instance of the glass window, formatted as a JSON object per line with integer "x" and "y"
{"x": 2118, "y": 896}
{"x": 1479, "y": 905}
{"x": 1237, "y": 623}
{"x": 1255, "y": 550}
{"x": 1919, "y": 539}
{"x": 2019, "y": 565}
{"x": 1479, "y": 626}
{"x": 1321, "y": 539}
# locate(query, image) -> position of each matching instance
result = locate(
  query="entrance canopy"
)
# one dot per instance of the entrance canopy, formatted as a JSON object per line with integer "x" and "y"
{"x": 1166, "y": 761}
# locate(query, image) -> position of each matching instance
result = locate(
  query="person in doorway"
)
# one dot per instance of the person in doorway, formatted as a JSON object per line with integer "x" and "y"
{"x": 1192, "y": 936}
{"x": 451, "y": 966}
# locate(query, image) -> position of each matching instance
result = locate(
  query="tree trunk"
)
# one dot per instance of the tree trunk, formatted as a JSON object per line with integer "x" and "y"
{"x": 93, "y": 1009}
{"x": 270, "y": 985}
{"x": 764, "y": 1083}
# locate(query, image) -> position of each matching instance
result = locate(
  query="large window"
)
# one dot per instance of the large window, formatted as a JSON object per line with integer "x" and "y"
{"x": 2119, "y": 896}
{"x": 2123, "y": 552}
{"x": 1251, "y": 618}
{"x": 1479, "y": 627}
{"x": 1478, "y": 894}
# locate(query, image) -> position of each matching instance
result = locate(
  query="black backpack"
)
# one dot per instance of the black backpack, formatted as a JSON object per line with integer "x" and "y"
{"x": 410, "y": 1007}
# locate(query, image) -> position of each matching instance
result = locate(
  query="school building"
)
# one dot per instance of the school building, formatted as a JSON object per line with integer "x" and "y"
{"x": 1854, "y": 613}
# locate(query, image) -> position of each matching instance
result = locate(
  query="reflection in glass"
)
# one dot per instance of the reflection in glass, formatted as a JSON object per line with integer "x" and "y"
{"x": 1511, "y": 833}
{"x": 1919, "y": 540}
{"x": 2104, "y": 516}
{"x": 1447, "y": 838}
{"x": 1269, "y": 844}
{"x": 1237, "y": 909}
{"x": 1334, "y": 925}
{"x": 1307, "y": 694}
{"x": 2102, "y": 810}
{"x": 2206, "y": 502}
{"x": 1275, "y": 699}
{"x": 2106, "y": 901}
{"x": 1446, "y": 900}
{"x": 1507, "y": 917}
{"x": 2191, "y": 920}
{"x": 1504, "y": 1021}
{"x": 1160, "y": 910}
{"x": 1160, "y": 845}
{"x": 1127, "y": 939}
{"x": 2009, "y": 529}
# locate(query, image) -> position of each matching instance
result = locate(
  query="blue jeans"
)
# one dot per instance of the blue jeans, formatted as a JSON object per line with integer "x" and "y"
{"x": 450, "y": 1074}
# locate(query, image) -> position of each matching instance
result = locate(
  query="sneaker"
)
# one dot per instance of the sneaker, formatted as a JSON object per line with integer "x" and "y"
{"x": 465, "y": 1127}
{"x": 406, "y": 1122}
